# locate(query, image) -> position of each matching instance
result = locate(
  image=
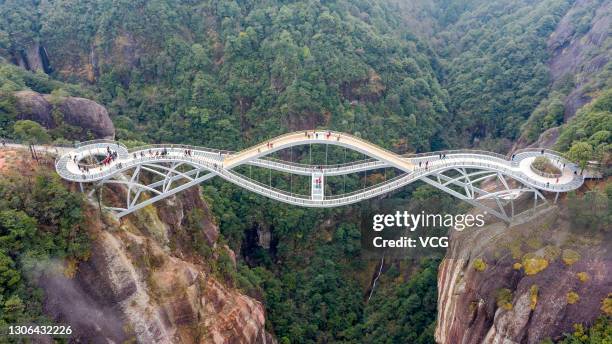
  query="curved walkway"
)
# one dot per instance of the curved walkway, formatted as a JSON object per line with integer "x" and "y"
{"x": 220, "y": 163}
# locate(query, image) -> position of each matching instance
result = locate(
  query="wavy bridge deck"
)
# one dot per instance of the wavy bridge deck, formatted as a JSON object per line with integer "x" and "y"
{"x": 456, "y": 172}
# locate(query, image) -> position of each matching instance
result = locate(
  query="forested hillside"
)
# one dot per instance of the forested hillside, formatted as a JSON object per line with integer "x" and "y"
{"x": 189, "y": 71}
{"x": 411, "y": 76}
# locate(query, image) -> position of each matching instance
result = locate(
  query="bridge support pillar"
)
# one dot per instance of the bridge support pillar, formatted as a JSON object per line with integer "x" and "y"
{"x": 317, "y": 186}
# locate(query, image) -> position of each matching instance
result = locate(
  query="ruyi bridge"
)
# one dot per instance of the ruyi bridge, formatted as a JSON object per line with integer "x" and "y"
{"x": 171, "y": 168}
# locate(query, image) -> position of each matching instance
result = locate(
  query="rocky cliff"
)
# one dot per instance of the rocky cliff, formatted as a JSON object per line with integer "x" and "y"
{"x": 579, "y": 64}
{"x": 84, "y": 114}
{"x": 147, "y": 280}
{"x": 522, "y": 284}
{"x": 578, "y": 48}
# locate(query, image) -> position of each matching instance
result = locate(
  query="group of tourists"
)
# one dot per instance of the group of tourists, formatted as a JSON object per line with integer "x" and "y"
{"x": 157, "y": 153}
{"x": 269, "y": 145}
{"x": 108, "y": 159}
{"x": 426, "y": 164}
{"x": 314, "y": 134}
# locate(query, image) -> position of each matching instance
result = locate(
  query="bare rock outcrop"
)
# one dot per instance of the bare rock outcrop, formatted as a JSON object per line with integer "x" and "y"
{"x": 82, "y": 113}
{"x": 33, "y": 106}
{"x": 512, "y": 285}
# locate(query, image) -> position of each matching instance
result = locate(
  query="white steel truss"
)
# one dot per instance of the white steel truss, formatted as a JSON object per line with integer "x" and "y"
{"x": 159, "y": 171}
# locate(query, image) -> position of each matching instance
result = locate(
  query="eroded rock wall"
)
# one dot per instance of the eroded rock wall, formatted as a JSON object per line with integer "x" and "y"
{"x": 146, "y": 283}
{"x": 509, "y": 285}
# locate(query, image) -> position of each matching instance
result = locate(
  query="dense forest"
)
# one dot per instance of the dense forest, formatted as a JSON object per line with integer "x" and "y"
{"x": 226, "y": 74}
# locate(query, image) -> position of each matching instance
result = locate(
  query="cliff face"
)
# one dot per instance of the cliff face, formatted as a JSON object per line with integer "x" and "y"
{"x": 521, "y": 284}
{"x": 143, "y": 281}
{"x": 579, "y": 64}
{"x": 84, "y": 114}
{"x": 33, "y": 57}
{"x": 578, "y": 48}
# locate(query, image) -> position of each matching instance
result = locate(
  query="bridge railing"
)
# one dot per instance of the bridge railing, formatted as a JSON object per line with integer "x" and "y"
{"x": 538, "y": 151}
{"x": 544, "y": 174}
{"x": 96, "y": 145}
{"x": 442, "y": 165}
{"x": 388, "y": 184}
{"x": 435, "y": 164}
{"x": 178, "y": 146}
{"x": 311, "y": 168}
{"x": 398, "y": 181}
{"x": 263, "y": 187}
{"x": 373, "y": 162}
{"x": 332, "y": 137}
{"x": 365, "y": 142}
{"x": 278, "y": 194}
{"x": 116, "y": 166}
{"x": 498, "y": 163}
{"x": 456, "y": 151}
{"x": 262, "y": 144}
{"x": 323, "y": 133}
{"x": 99, "y": 142}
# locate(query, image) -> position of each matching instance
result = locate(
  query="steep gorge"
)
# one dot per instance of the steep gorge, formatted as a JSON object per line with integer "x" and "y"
{"x": 190, "y": 75}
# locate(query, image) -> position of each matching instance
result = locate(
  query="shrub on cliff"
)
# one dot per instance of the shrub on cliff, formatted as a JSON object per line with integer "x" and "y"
{"x": 31, "y": 132}
{"x": 479, "y": 264}
{"x": 533, "y": 264}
